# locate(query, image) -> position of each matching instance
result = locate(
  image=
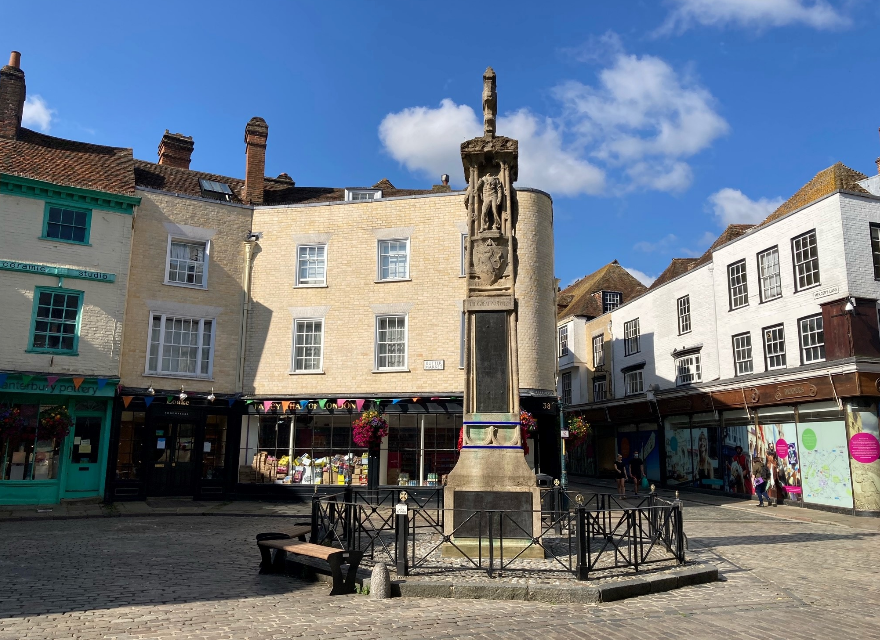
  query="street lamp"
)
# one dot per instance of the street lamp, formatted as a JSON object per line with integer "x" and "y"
{"x": 563, "y": 435}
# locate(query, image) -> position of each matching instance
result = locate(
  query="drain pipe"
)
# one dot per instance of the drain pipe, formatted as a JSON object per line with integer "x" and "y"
{"x": 246, "y": 305}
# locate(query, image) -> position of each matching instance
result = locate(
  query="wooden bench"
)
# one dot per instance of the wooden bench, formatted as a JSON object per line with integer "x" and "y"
{"x": 298, "y": 531}
{"x": 276, "y": 563}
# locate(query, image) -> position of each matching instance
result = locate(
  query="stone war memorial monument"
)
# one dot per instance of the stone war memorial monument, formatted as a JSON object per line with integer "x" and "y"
{"x": 492, "y": 472}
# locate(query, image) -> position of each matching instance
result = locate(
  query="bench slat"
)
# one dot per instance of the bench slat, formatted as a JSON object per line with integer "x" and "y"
{"x": 297, "y": 531}
{"x": 301, "y": 548}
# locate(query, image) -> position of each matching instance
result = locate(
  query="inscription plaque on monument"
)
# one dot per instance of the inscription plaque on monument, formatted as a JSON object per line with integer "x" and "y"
{"x": 516, "y": 523}
{"x": 491, "y": 361}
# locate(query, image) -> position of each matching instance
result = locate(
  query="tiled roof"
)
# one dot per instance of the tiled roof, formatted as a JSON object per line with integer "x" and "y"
{"x": 732, "y": 232}
{"x": 677, "y": 267}
{"x": 837, "y": 177}
{"x": 277, "y": 191}
{"x": 68, "y": 163}
{"x": 584, "y": 297}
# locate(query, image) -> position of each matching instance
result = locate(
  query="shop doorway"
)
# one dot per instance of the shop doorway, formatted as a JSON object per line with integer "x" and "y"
{"x": 84, "y": 471}
{"x": 172, "y": 470}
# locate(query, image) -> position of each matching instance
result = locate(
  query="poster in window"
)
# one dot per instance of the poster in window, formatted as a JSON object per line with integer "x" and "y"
{"x": 824, "y": 458}
{"x": 864, "y": 442}
{"x": 679, "y": 464}
{"x": 735, "y": 457}
{"x": 775, "y": 445}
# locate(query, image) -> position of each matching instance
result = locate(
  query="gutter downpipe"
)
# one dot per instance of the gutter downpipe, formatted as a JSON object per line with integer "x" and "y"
{"x": 245, "y": 311}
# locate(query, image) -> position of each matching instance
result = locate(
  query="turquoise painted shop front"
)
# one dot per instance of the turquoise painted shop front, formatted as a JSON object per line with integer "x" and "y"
{"x": 40, "y": 471}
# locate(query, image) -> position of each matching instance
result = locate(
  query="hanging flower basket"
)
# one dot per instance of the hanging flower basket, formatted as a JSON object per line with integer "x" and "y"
{"x": 55, "y": 422}
{"x": 11, "y": 422}
{"x": 369, "y": 429}
{"x": 578, "y": 430}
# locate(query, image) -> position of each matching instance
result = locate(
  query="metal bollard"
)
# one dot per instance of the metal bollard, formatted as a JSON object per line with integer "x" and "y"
{"x": 582, "y": 571}
{"x": 402, "y": 521}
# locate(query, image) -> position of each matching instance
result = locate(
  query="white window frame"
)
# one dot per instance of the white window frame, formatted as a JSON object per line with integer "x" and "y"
{"x": 608, "y": 294}
{"x": 683, "y": 305}
{"x": 742, "y": 285}
{"x": 379, "y": 244}
{"x": 741, "y": 365}
{"x": 597, "y": 384}
{"x": 770, "y": 340}
{"x": 768, "y": 281}
{"x": 688, "y": 369}
{"x": 185, "y": 240}
{"x": 599, "y": 354}
{"x": 358, "y": 195}
{"x": 293, "y": 368}
{"x": 800, "y": 263}
{"x": 464, "y": 237}
{"x": 562, "y": 341}
{"x": 405, "y": 367}
{"x": 158, "y": 372}
{"x": 629, "y": 389}
{"x": 565, "y": 385}
{"x": 631, "y": 337}
{"x": 811, "y": 332}
{"x": 311, "y": 245}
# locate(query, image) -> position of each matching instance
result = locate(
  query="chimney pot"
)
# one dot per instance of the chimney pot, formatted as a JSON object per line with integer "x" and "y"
{"x": 12, "y": 95}
{"x": 175, "y": 150}
{"x": 445, "y": 179}
{"x": 256, "y": 133}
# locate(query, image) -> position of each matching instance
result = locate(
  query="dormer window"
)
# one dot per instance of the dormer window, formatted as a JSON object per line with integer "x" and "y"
{"x": 362, "y": 195}
{"x": 610, "y": 300}
{"x": 215, "y": 190}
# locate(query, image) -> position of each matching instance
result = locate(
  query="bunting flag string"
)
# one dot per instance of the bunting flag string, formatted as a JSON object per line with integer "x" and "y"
{"x": 267, "y": 405}
{"x": 3, "y": 377}
{"x": 126, "y": 400}
{"x": 148, "y": 400}
{"x": 303, "y": 404}
{"x": 359, "y": 404}
{"x": 77, "y": 382}
{"x": 231, "y": 401}
{"x": 52, "y": 380}
{"x": 102, "y": 382}
{"x": 169, "y": 399}
{"x": 395, "y": 401}
{"x": 285, "y": 405}
{"x": 416, "y": 399}
{"x": 26, "y": 379}
{"x": 322, "y": 403}
{"x": 340, "y": 403}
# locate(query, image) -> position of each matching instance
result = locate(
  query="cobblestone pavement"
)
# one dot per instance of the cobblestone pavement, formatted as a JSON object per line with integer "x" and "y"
{"x": 193, "y": 577}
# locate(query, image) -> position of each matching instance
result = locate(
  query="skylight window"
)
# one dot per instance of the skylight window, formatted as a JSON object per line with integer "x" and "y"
{"x": 215, "y": 190}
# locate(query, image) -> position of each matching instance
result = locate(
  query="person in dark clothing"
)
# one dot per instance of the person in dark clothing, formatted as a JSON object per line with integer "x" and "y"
{"x": 620, "y": 476}
{"x": 636, "y": 470}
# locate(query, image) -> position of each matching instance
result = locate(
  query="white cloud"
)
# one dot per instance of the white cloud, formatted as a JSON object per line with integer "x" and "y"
{"x": 427, "y": 140}
{"x": 636, "y": 127}
{"x": 732, "y": 206}
{"x": 37, "y": 113}
{"x": 641, "y": 276}
{"x": 759, "y": 14}
{"x": 597, "y": 48}
{"x": 663, "y": 244}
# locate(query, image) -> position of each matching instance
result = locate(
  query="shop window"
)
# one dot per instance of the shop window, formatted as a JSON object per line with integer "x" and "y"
{"x": 311, "y": 265}
{"x": 129, "y": 460}
{"x": 66, "y": 224}
{"x": 28, "y": 457}
{"x": 679, "y": 463}
{"x": 55, "y": 327}
{"x": 214, "y": 448}
{"x": 181, "y": 346}
{"x": 187, "y": 263}
{"x": 422, "y": 449}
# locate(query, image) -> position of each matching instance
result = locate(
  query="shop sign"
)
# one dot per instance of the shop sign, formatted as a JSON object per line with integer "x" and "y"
{"x": 564, "y": 433}
{"x": 489, "y": 303}
{"x": 63, "y": 387}
{"x": 824, "y": 292}
{"x": 61, "y": 272}
{"x": 795, "y": 391}
{"x": 434, "y": 365}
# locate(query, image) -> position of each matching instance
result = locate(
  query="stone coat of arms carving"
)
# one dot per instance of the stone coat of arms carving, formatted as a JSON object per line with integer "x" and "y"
{"x": 490, "y": 259}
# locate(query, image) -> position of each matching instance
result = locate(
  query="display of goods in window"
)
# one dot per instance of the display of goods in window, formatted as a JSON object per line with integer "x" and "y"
{"x": 578, "y": 429}
{"x": 369, "y": 429}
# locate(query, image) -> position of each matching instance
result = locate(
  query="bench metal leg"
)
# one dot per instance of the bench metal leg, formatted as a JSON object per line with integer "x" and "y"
{"x": 354, "y": 561}
{"x": 279, "y": 561}
{"x": 335, "y": 562}
{"x": 265, "y": 552}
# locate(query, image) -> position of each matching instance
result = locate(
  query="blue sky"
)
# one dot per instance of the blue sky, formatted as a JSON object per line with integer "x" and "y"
{"x": 653, "y": 124}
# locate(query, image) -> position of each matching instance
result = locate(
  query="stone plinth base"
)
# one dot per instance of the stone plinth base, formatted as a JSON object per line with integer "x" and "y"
{"x": 512, "y": 548}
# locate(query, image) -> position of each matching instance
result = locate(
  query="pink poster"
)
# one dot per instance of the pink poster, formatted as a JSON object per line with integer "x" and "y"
{"x": 864, "y": 448}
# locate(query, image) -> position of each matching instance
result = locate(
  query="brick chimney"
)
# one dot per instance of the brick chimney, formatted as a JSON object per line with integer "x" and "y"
{"x": 175, "y": 150}
{"x": 255, "y": 135}
{"x": 12, "y": 93}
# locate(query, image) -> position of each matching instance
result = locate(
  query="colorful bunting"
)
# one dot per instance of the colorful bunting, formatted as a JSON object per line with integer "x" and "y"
{"x": 359, "y": 404}
{"x": 303, "y": 404}
{"x": 148, "y": 400}
{"x": 231, "y": 401}
{"x": 340, "y": 404}
{"x": 52, "y": 380}
{"x": 267, "y": 405}
{"x": 416, "y": 399}
{"x": 126, "y": 400}
{"x": 26, "y": 379}
{"x": 395, "y": 401}
{"x": 3, "y": 377}
{"x": 169, "y": 399}
{"x": 322, "y": 403}
{"x": 77, "y": 381}
{"x": 102, "y": 382}
{"x": 435, "y": 398}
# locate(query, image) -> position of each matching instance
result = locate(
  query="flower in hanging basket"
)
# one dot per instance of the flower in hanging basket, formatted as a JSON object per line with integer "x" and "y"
{"x": 55, "y": 422}
{"x": 11, "y": 422}
{"x": 578, "y": 430}
{"x": 369, "y": 429}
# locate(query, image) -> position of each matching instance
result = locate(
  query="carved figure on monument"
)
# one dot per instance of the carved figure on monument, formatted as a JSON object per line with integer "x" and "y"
{"x": 488, "y": 260}
{"x": 490, "y": 103}
{"x": 492, "y": 196}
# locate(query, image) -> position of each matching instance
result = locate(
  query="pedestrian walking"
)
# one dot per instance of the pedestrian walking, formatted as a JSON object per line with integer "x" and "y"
{"x": 620, "y": 476}
{"x": 761, "y": 476}
{"x": 636, "y": 470}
